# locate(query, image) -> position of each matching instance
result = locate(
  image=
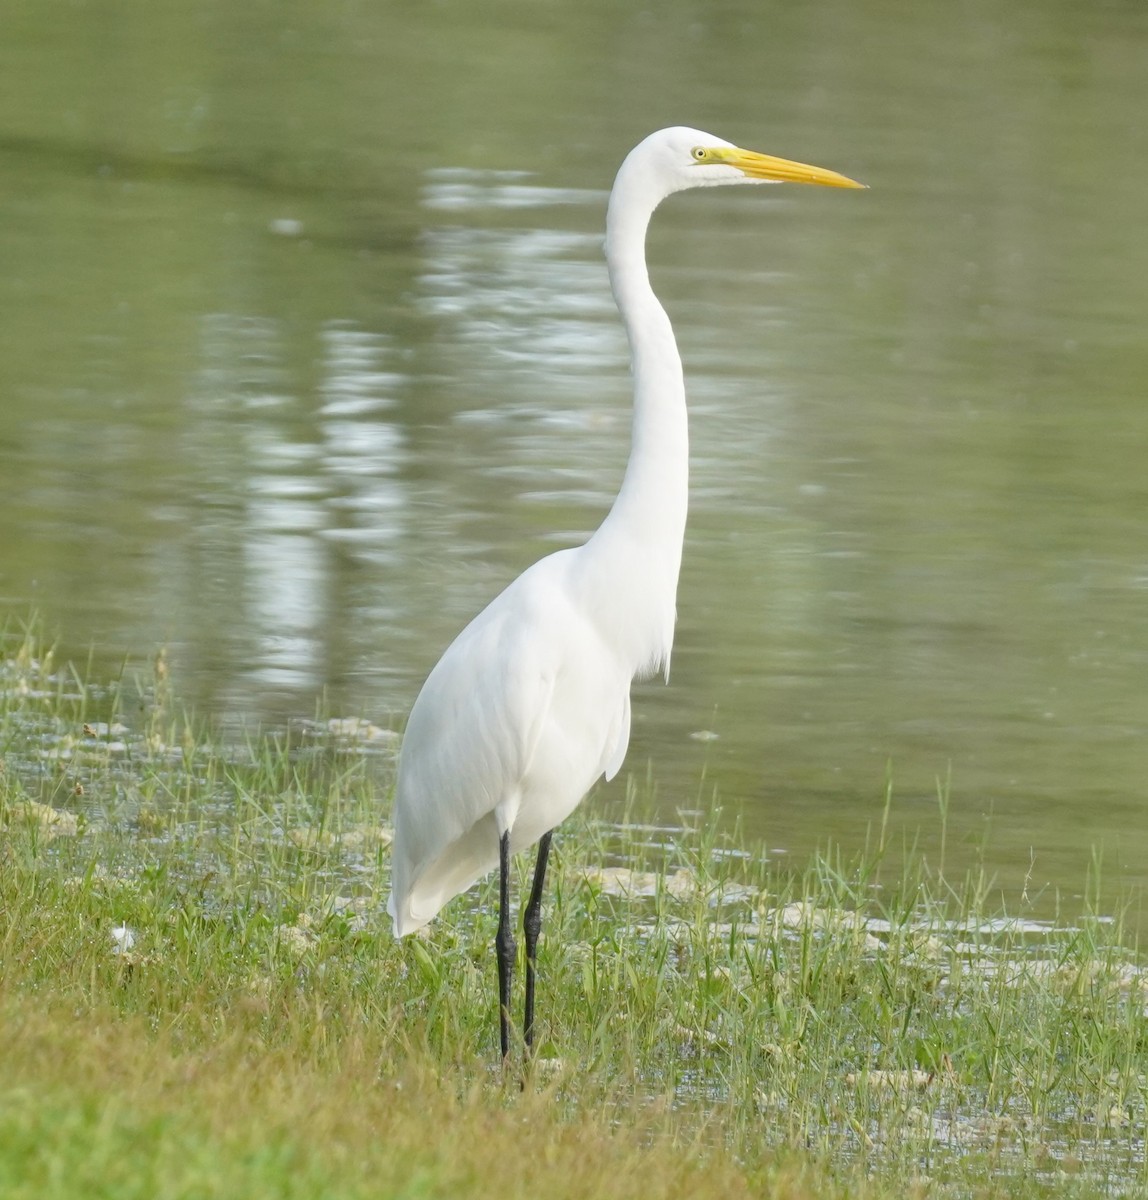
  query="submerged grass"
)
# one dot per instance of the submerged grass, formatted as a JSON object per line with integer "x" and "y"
{"x": 201, "y": 995}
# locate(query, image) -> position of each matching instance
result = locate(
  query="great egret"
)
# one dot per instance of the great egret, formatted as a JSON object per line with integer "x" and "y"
{"x": 530, "y": 704}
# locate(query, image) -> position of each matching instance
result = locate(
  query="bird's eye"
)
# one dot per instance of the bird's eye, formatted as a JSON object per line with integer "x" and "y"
{"x": 699, "y": 153}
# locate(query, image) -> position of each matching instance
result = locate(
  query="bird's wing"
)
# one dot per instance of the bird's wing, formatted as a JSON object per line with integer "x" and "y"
{"x": 525, "y": 710}
{"x": 619, "y": 741}
{"x": 469, "y": 744}
{"x": 472, "y": 731}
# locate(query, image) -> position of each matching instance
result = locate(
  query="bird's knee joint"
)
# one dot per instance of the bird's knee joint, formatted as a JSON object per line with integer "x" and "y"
{"x": 532, "y": 924}
{"x": 504, "y": 943}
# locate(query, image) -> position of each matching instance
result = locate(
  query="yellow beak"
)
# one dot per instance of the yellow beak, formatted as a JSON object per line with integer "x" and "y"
{"x": 780, "y": 170}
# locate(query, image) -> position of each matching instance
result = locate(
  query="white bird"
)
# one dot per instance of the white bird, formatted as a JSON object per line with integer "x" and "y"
{"x": 530, "y": 704}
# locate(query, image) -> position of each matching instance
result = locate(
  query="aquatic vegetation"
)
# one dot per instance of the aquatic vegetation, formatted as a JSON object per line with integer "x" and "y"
{"x": 214, "y": 920}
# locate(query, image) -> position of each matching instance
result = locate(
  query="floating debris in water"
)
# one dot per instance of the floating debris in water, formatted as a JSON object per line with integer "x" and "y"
{"x": 800, "y": 915}
{"x": 307, "y": 838}
{"x": 48, "y": 822}
{"x": 298, "y": 939}
{"x": 100, "y": 879}
{"x": 681, "y": 884}
{"x": 1114, "y": 1117}
{"x": 622, "y": 881}
{"x": 694, "y": 1039}
{"x": 893, "y": 1081}
{"x": 355, "y": 729}
{"x": 101, "y": 729}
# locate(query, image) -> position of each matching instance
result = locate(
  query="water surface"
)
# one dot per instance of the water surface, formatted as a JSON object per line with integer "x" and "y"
{"x": 308, "y": 348}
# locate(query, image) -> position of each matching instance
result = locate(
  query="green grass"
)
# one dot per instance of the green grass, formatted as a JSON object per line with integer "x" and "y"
{"x": 719, "y": 1027}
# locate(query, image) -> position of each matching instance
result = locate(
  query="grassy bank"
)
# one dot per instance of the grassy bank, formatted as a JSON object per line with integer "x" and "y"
{"x": 201, "y": 995}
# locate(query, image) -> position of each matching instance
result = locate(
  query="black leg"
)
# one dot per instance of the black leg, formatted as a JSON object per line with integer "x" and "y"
{"x": 504, "y": 944}
{"x": 532, "y": 924}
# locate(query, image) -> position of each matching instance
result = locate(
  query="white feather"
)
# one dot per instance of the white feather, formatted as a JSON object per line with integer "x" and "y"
{"x": 531, "y": 702}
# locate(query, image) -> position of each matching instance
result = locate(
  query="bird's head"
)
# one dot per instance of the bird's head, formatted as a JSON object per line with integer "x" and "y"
{"x": 686, "y": 158}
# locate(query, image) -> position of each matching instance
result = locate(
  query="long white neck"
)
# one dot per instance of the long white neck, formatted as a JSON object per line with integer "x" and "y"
{"x": 647, "y": 522}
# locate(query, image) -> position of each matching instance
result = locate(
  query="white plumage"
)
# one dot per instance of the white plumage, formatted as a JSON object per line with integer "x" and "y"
{"x": 531, "y": 702}
{"x": 525, "y": 710}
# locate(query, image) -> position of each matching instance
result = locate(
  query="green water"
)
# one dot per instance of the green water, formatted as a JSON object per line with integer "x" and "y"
{"x": 307, "y": 349}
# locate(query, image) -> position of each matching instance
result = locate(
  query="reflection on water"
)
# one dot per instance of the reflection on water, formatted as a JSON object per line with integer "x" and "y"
{"x": 293, "y": 492}
{"x": 459, "y": 189}
{"x": 294, "y": 383}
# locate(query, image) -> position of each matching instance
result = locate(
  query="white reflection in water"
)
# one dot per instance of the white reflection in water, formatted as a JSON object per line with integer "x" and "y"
{"x": 499, "y": 283}
{"x": 535, "y": 297}
{"x": 532, "y": 309}
{"x": 528, "y": 322}
{"x": 462, "y": 189}
{"x": 362, "y": 452}
{"x": 354, "y": 381}
{"x": 290, "y": 478}
{"x": 282, "y": 564}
